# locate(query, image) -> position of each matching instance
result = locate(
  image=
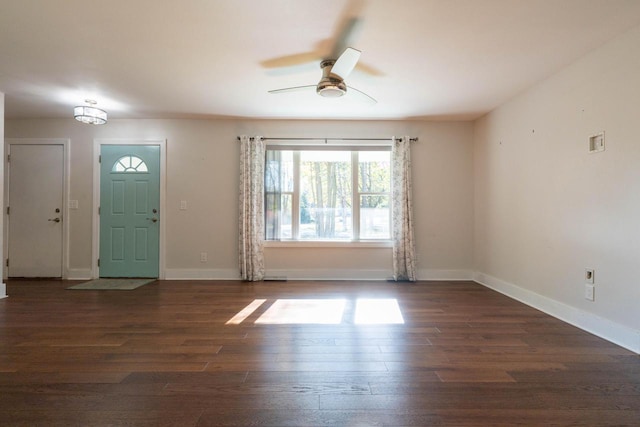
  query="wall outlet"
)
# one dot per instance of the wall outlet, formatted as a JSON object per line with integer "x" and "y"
{"x": 589, "y": 275}
{"x": 203, "y": 257}
{"x": 589, "y": 292}
{"x": 73, "y": 204}
{"x": 183, "y": 205}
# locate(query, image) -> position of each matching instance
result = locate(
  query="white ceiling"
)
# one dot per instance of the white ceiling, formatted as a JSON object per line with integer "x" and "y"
{"x": 451, "y": 59}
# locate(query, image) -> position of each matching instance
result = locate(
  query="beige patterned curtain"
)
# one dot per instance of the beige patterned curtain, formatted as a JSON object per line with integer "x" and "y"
{"x": 401, "y": 212}
{"x": 251, "y": 236}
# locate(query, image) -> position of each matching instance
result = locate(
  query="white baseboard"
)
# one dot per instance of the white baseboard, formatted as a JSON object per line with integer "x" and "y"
{"x": 313, "y": 274}
{"x": 79, "y": 274}
{"x": 201, "y": 274}
{"x": 3, "y": 290}
{"x": 383, "y": 274}
{"x": 445, "y": 275}
{"x": 329, "y": 274}
{"x": 616, "y": 333}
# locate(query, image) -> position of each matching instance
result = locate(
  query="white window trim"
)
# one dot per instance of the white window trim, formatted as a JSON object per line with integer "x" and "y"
{"x": 318, "y": 243}
{"x": 328, "y": 244}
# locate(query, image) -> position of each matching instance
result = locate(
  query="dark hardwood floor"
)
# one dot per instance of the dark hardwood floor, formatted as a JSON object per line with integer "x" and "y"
{"x": 163, "y": 355}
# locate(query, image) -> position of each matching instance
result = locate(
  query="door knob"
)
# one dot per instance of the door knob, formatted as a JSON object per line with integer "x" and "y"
{"x": 153, "y": 219}
{"x": 54, "y": 219}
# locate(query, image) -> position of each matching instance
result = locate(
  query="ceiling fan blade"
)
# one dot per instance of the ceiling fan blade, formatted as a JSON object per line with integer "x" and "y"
{"x": 368, "y": 69}
{"x": 291, "y": 60}
{"x": 345, "y": 64}
{"x": 362, "y": 95}
{"x": 347, "y": 36}
{"x": 294, "y": 89}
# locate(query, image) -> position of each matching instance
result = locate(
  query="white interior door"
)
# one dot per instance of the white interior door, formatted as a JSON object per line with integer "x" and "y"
{"x": 36, "y": 179}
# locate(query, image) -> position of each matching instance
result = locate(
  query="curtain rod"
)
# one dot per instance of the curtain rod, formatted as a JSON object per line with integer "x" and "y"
{"x": 329, "y": 139}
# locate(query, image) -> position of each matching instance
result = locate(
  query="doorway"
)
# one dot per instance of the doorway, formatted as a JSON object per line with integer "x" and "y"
{"x": 36, "y": 211}
{"x": 129, "y": 209}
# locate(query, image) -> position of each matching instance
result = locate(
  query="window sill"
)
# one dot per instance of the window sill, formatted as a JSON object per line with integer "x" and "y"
{"x": 327, "y": 244}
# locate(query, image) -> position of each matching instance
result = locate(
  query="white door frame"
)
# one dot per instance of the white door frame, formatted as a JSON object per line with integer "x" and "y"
{"x": 97, "y": 143}
{"x": 65, "y": 142}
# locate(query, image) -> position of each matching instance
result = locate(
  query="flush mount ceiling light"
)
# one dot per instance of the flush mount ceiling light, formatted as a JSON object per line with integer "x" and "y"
{"x": 90, "y": 114}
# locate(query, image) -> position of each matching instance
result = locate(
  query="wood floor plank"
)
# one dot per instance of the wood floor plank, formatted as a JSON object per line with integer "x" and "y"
{"x": 268, "y": 377}
{"x": 293, "y": 389}
{"x": 221, "y": 378}
{"x": 508, "y": 417}
{"x": 353, "y": 366}
{"x": 163, "y": 355}
{"x": 66, "y": 418}
{"x": 298, "y": 418}
{"x": 486, "y": 399}
{"x": 474, "y": 375}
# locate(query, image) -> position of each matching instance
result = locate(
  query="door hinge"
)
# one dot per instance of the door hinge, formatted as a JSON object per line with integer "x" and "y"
{"x": 7, "y": 263}
{"x": 8, "y": 158}
{"x": 98, "y": 210}
{"x": 100, "y": 158}
{"x": 8, "y": 210}
{"x": 98, "y": 262}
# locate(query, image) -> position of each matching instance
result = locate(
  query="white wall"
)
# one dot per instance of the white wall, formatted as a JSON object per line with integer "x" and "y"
{"x": 202, "y": 168}
{"x": 546, "y": 209}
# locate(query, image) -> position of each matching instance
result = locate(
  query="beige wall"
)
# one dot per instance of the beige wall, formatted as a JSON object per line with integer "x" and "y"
{"x": 546, "y": 209}
{"x": 202, "y": 168}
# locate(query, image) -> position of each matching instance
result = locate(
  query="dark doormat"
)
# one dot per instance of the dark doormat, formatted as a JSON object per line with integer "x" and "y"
{"x": 112, "y": 284}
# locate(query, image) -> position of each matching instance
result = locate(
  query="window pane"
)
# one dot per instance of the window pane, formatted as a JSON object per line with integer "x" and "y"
{"x": 286, "y": 216}
{"x": 278, "y": 209}
{"x": 278, "y": 174}
{"x": 374, "y": 217}
{"x": 374, "y": 171}
{"x": 325, "y": 195}
{"x": 278, "y": 186}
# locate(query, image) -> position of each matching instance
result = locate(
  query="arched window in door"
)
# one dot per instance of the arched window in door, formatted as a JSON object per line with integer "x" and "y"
{"x": 129, "y": 164}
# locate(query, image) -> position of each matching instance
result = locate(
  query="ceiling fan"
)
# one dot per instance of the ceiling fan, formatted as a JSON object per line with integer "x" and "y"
{"x": 336, "y": 63}
{"x": 334, "y": 72}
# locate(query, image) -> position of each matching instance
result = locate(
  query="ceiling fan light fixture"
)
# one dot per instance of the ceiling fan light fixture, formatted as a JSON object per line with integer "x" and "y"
{"x": 90, "y": 114}
{"x": 331, "y": 91}
{"x": 329, "y": 86}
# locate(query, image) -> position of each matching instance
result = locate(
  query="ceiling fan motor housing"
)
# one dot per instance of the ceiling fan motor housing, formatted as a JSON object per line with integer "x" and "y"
{"x": 330, "y": 86}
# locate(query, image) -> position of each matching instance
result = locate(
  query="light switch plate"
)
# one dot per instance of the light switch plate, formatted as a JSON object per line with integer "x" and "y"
{"x": 596, "y": 143}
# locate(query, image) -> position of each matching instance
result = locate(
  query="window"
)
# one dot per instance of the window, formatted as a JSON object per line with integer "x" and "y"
{"x": 315, "y": 194}
{"x": 129, "y": 164}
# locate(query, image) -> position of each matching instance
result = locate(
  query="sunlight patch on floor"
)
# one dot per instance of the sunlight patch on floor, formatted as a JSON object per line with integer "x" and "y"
{"x": 378, "y": 312}
{"x": 245, "y": 312}
{"x": 365, "y": 311}
{"x": 304, "y": 311}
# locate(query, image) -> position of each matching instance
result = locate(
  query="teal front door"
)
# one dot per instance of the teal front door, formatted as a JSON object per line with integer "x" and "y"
{"x": 129, "y": 210}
